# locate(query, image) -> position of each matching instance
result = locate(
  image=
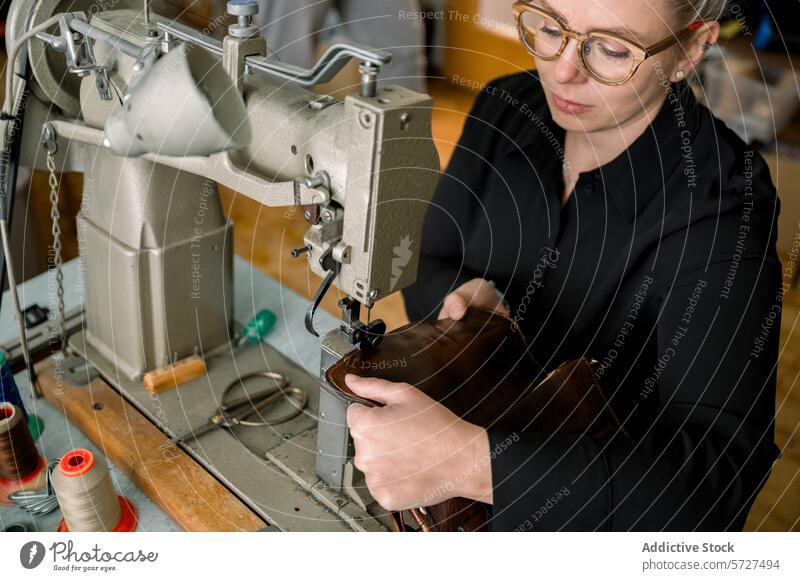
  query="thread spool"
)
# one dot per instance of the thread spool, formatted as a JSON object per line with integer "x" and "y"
{"x": 21, "y": 465}
{"x": 9, "y": 393}
{"x": 87, "y": 497}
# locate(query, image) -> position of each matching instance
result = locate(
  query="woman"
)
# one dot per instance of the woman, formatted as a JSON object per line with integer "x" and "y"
{"x": 618, "y": 220}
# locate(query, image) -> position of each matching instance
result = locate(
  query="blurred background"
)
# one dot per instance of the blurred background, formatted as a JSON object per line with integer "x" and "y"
{"x": 748, "y": 81}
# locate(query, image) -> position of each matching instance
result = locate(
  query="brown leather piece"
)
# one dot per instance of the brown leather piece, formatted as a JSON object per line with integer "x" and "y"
{"x": 481, "y": 369}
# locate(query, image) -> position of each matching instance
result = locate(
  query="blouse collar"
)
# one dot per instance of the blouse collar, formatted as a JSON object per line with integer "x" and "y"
{"x": 636, "y": 175}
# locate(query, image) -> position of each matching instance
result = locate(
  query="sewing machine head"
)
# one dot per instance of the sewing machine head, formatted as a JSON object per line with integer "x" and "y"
{"x": 148, "y": 104}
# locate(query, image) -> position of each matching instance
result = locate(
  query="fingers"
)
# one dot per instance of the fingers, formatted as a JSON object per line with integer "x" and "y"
{"x": 454, "y": 307}
{"x": 354, "y": 411}
{"x": 477, "y": 292}
{"x": 375, "y": 389}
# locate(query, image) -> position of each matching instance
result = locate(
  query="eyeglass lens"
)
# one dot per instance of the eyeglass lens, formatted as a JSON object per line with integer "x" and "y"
{"x": 605, "y": 57}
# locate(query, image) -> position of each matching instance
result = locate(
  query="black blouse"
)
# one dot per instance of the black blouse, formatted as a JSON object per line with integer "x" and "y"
{"x": 662, "y": 266}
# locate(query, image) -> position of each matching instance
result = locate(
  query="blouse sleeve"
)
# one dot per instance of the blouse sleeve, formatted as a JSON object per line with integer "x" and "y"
{"x": 441, "y": 263}
{"x": 710, "y": 449}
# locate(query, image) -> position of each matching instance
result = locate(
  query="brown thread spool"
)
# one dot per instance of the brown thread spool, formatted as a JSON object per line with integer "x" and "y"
{"x": 19, "y": 458}
{"x": 87, "y": 497}
{"x": 21, "y": 466}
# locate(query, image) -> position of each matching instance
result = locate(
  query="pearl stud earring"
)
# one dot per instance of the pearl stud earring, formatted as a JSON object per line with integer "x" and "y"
{"x": 679, "y": 74}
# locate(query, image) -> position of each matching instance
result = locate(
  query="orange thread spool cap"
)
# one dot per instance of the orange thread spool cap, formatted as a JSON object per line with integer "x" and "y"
{"x": 76, "y": 462}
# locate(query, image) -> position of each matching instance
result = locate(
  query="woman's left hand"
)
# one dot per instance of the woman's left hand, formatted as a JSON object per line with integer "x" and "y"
{"x": 413, "y": 451}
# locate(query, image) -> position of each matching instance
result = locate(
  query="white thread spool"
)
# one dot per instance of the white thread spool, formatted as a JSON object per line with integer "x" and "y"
{"x": 87, "y": 497}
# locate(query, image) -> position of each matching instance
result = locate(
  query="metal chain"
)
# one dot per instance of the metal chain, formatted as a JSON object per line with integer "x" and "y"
{"x": 51, "y": 145}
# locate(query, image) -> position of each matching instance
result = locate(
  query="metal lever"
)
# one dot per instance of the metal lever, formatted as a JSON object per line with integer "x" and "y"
{"x": 328, "y": 263}
{"x": 326, "y": 68}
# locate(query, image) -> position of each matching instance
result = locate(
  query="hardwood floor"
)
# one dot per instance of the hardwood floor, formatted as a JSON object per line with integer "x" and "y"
{"x": 777, "y": 507}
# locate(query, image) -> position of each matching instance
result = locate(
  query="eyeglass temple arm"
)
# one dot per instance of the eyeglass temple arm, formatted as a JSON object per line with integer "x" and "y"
{"x": 668, "y": 42}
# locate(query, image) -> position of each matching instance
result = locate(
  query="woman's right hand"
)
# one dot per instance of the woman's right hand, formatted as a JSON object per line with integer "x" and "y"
{"x": 477, "y": 292}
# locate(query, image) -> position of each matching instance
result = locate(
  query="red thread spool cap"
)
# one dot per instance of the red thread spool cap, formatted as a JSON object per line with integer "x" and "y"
{"x": 6, "y": 411}
{"x": 76, "y": 462}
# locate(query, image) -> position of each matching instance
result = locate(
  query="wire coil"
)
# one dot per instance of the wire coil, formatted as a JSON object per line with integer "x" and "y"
{"x": 18, "y": 455}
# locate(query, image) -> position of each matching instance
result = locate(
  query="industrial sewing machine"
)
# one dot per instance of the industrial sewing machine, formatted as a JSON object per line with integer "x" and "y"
{"x": 156, "y": 114}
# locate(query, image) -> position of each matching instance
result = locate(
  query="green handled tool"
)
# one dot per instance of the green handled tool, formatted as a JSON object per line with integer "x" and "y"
{"x": 251, "y": 334}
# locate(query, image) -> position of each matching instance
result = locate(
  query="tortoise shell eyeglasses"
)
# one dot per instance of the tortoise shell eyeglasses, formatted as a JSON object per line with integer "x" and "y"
{"x": 606, "y": 57}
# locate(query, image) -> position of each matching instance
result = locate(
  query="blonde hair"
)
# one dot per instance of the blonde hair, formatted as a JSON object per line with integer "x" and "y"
{"x": 703, "y": 10}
